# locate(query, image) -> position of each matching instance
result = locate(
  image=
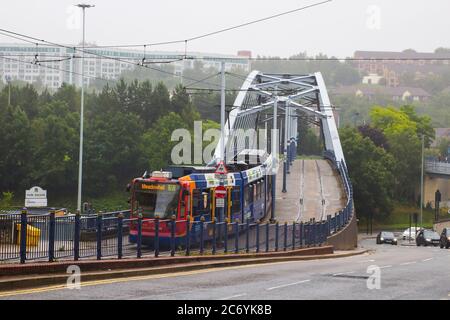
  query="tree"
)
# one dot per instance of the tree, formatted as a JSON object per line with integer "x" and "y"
{"x": 156, "y": 143}
{"x": 371, "y": 170}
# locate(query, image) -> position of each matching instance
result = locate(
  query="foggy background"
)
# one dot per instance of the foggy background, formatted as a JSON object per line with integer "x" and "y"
{"x": 337, "y": 28}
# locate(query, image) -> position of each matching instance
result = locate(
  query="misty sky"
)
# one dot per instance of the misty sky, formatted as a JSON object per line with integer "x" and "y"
{"x": 337, "y": 28}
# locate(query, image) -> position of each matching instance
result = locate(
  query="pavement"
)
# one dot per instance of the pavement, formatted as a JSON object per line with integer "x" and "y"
{"x": 312, "y": 181}
{"x": 404, "y": 272}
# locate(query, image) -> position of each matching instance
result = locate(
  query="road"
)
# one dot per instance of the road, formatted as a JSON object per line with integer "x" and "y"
{"x": 406, "y": 272}
{"x": 310, "y": 181}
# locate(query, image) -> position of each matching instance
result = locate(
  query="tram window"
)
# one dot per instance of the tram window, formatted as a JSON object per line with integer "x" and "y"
{"x": 236, "y": 200}
{"x": 255, "y": 192}
{"x": 200, "y": 202}
{"x": 247, "y": 195}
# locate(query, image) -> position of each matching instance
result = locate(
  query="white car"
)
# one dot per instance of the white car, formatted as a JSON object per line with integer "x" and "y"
{"x": 410, "y": 233}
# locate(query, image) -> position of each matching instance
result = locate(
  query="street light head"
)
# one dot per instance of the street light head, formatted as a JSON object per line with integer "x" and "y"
{"x": 82, "y": 5}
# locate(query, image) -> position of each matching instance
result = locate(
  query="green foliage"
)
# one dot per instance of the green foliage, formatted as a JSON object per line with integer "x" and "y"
{"x": 6, "y": 200}
{"x": 370, "y": 169}
{"x": 126, "y": 127}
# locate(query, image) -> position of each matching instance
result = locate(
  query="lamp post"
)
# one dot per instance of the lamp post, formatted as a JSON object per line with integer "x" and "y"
{"x": 80, "y": 160}
{"x": 421, "y": 184}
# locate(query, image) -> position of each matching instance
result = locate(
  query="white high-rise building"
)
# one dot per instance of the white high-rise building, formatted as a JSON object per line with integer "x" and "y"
{"x": 60, "y": 65}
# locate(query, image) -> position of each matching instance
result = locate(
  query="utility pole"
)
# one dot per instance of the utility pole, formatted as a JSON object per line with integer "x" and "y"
{"x": 285, "y": 163}
{"x": 80, "y": 160}
{"x": 274, "y": 145}
{"x": 222, "y": 111}
{"x": 421, "y": 185}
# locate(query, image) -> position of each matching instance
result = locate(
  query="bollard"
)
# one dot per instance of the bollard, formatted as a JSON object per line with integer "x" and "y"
{"x": 257, "y": 235}
{"x": 247, "y": 236}
{"x": 225, "y": 244}
{"x": 188, "y": 235}
{"x": 267, "y": 236}
{"x": 236, "y": 238}
{"x": 156, "y": 236}
{"x": 293, "y": 235}
{"x": 51, "y": 237}
{"x": 76, "y": 237}
{"x": 119, "y": 236}
{"x": 172, "y": 235}
{"x": 99, "y": 236}
{"x": 202, "y": 221}
{"x": 214, "y": 236}
{"x": 23, "y": 235}
{"x": 277, "y": 233}
{"x": 285, "y": 236}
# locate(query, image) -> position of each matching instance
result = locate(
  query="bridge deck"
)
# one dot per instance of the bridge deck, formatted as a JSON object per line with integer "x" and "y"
{"x": 312, "y": 181}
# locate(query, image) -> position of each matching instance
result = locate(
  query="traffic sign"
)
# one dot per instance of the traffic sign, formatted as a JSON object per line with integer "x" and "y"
{"x": 220, "y": 192}
{"x": 221, "y": 168}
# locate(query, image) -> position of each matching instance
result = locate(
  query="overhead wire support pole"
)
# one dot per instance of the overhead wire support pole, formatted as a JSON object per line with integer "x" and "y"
{"x": 80, "y": 160}
{"x": 274, "y": 145}
{"x": 285, "y": 162}
{"x": 421, "y": 184}
{"x": 222, "y": 111}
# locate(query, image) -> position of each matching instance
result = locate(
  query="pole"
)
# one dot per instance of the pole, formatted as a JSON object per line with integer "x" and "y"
{"x": 9, "y": 93}
{"x": 222, "y": 112}
{"x": 274, "y": 145}
{"x": 421, "y": 186}
{"x": 284, "y": 190}
{"x": 80, "y": 160}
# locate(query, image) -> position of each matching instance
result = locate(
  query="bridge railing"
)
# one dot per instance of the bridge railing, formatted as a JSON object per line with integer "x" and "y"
{"x": 341, "y": 218}
{"x": 437, "y": 167}
{"x": 25, "y": 237}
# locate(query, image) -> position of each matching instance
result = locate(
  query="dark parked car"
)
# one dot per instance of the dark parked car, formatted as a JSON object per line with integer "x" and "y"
{"x": 427, "y": 237}
{"x": 445, "y": 238}
{"x": 386, "y": 237}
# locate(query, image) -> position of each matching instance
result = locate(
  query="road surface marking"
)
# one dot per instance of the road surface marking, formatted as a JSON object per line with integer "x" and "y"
{"x": 235, "y": 296}
{"x": 407, "y": 263}
{"x": 427, "y": 259}
{"x": 126, "y": 279}
{"x": 388, "y": 266}
{"x": 287, "y": 285}
{"x": 341, "y": 273}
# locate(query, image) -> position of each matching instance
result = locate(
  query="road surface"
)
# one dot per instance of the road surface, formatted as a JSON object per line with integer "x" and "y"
{"x": 406, "y": 272}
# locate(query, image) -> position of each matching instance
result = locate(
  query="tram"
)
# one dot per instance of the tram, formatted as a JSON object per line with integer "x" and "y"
{"x": 183, "y": 191}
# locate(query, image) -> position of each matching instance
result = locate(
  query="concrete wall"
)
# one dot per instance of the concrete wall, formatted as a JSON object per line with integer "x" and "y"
{"x": 439, "y": 226}
{"x": 431, "y": 184}
{"x": 347, "y": 238}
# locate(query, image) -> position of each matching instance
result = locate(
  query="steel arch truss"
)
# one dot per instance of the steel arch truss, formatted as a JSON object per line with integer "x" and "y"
{"x": 297, "y": 95}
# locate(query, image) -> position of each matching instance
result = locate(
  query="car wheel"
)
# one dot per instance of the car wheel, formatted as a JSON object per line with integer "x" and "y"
{"x": 442, "y": 246}
{"x": 447, "y": 246}
{"x": 418, "y": 244}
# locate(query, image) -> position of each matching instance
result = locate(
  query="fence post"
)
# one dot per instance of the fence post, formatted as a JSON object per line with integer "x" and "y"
{"x": 247, "y": 236}
{"x": 328, "y": 225}
{"x": 172, "y": 235}
{"x": 119, "y": 235}
{"x": 188, "y": 235}
{"x": 285, "y": 236}
{"x": 293, "y": 235}
{"x": 139, "y": 236}
{"x": 202, "y": 221}
{"x": 236, "y": 238}
{"x": 76, "y": 237}
{"x": 51, "y": 237}
{"x": 225, "y": 244}
{"x": 335, "y": 222}
{"x": 214, "y": 236}
{"x": 23, "y": 235}
{"x": 156, "y": 236}
{"x": 301, "y": 230}
{"x": 99, "y": 235}
{"x": 267, "y": 236}
{"x": 257, "y": 235}
{"x": 277, "y": 233}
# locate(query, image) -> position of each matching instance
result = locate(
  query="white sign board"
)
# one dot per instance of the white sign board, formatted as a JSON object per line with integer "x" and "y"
{"x": 36, "y": 197}
{"x": 220, "y": 202}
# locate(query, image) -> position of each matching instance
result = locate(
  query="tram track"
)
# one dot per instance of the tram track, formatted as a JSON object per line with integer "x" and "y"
{"x": 322, "y": 198}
